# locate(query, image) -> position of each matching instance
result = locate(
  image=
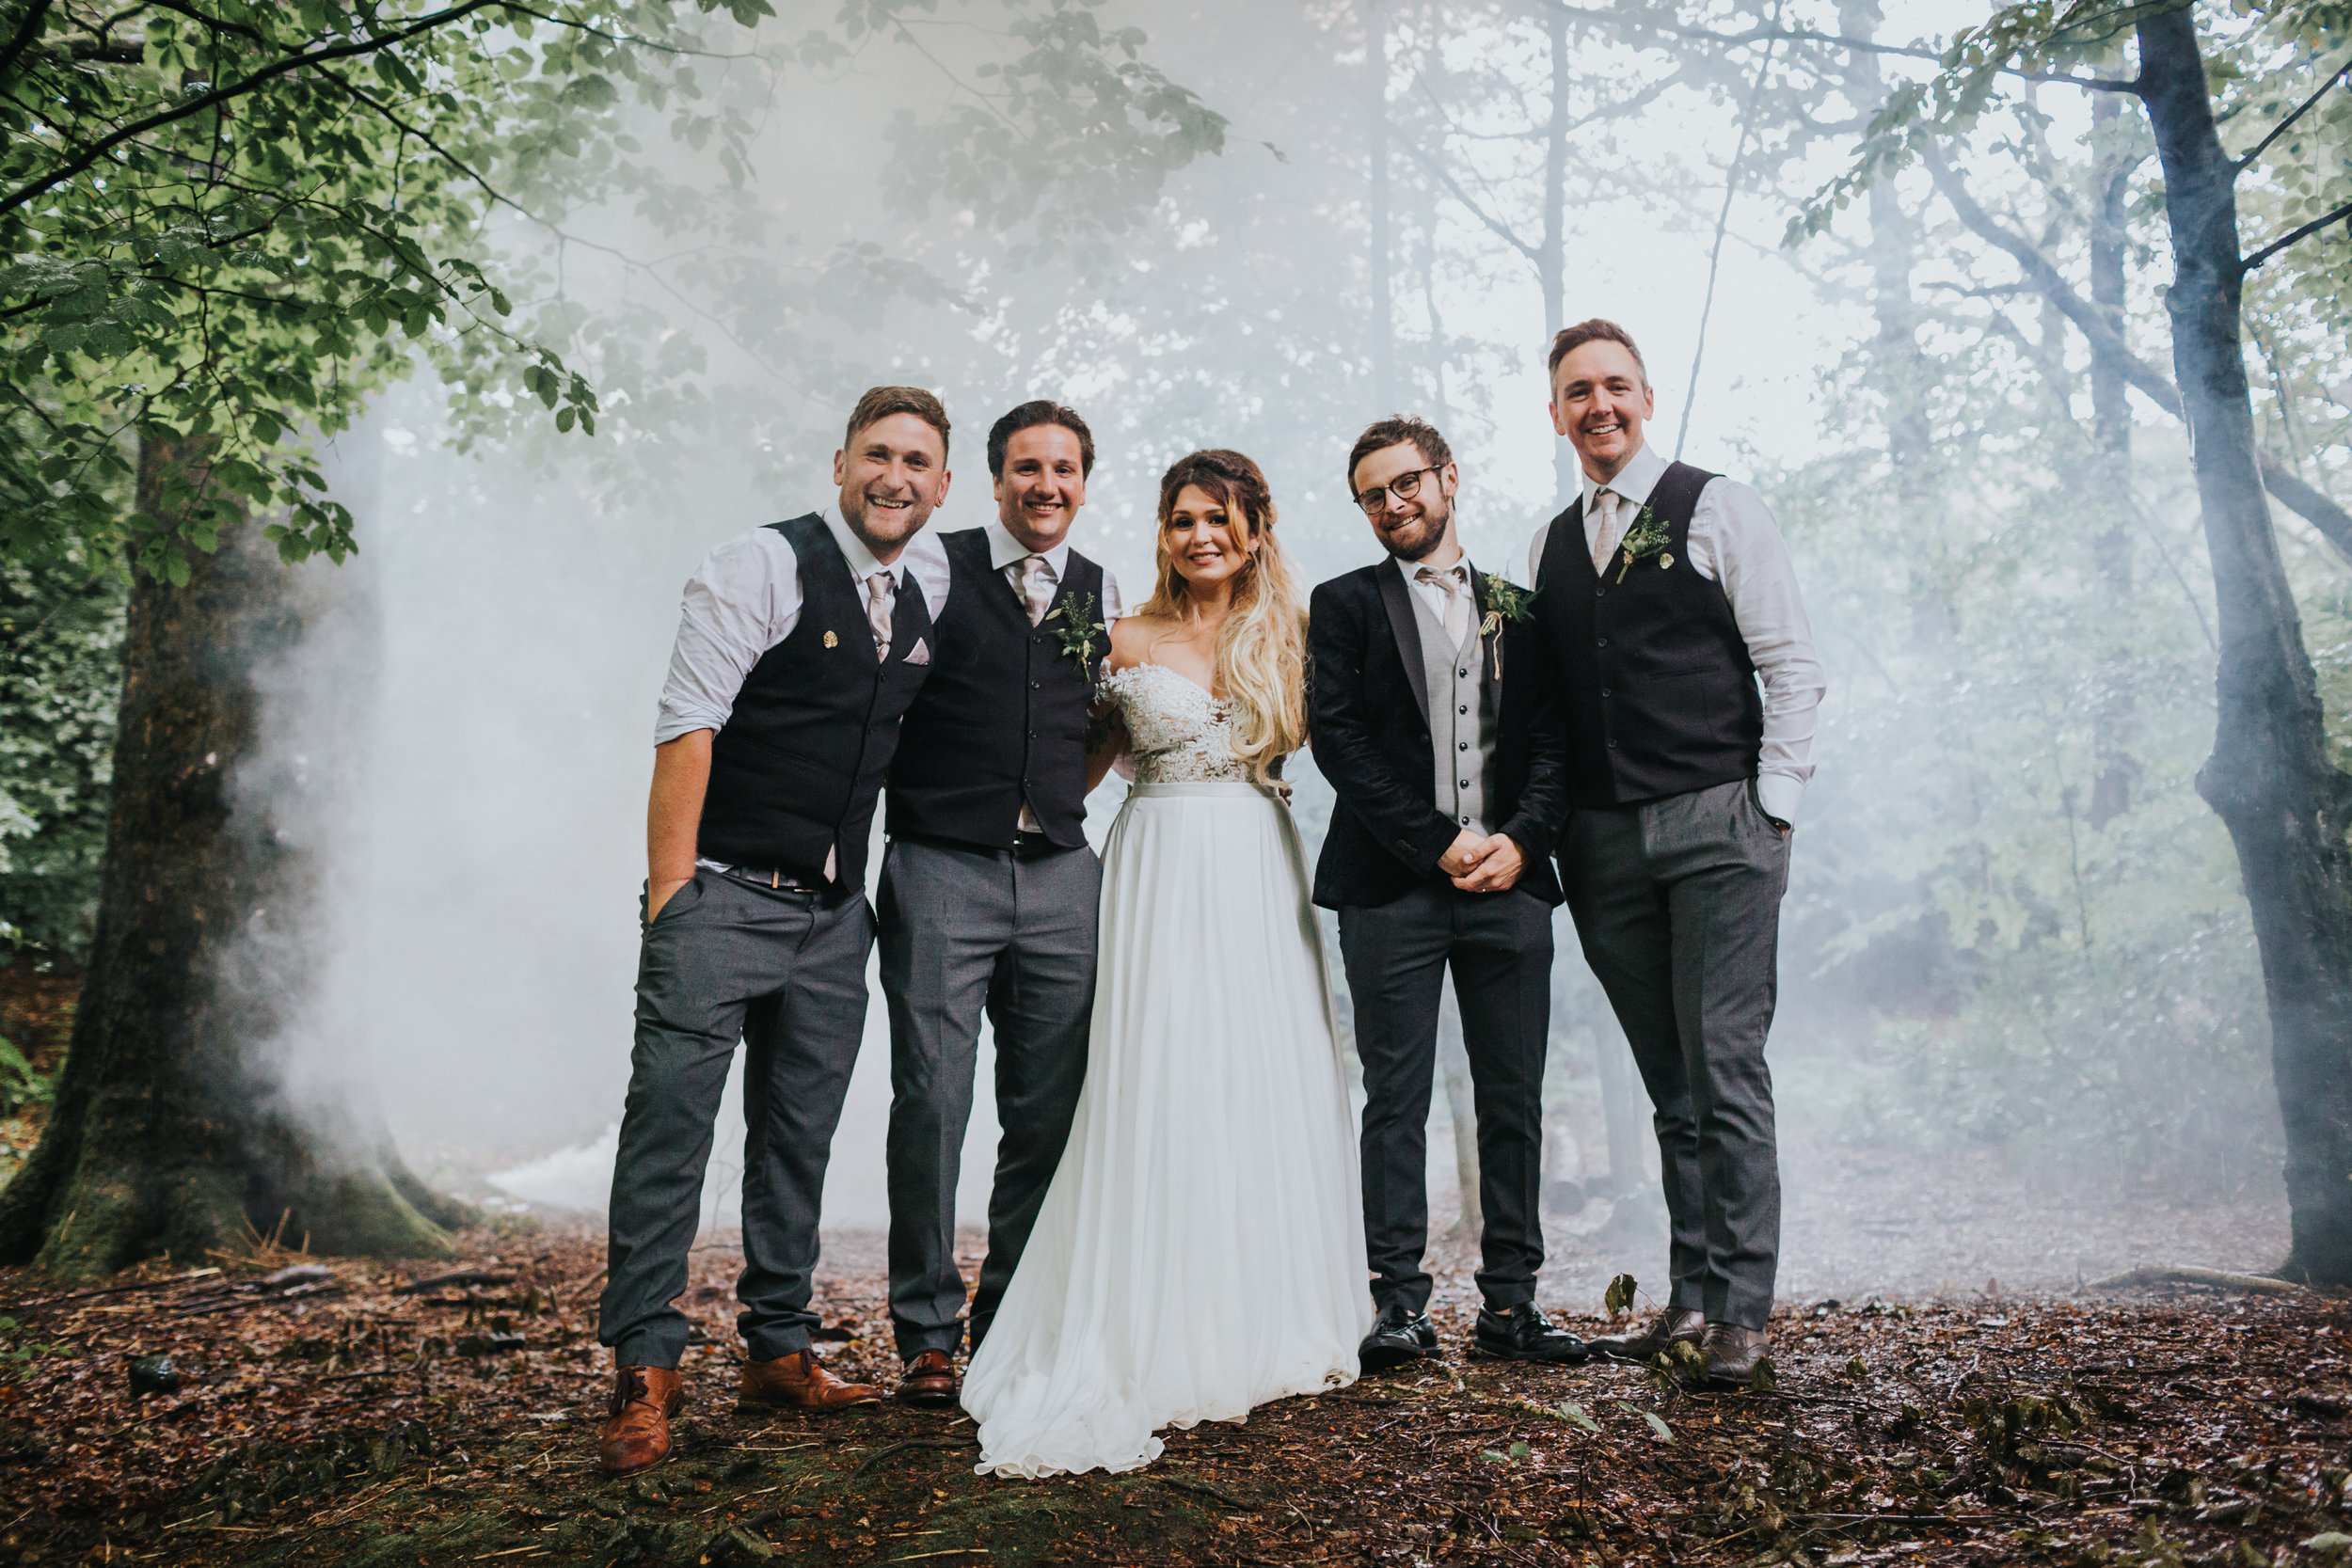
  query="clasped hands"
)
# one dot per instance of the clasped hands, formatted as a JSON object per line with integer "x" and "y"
{"x": 1483, "y": 862}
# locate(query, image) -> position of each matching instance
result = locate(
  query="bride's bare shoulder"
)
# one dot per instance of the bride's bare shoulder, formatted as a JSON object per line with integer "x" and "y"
{"x": 1131, "y": 637}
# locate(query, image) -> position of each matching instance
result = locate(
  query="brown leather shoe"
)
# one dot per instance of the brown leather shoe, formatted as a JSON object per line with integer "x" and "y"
{"x": 1732, "y": 1351}
{"x": 1686, "y": 1324}
{"x": 931, "y": 1380}
{"x": 801, "y": 1381}
{"x": 635, "y": 1432}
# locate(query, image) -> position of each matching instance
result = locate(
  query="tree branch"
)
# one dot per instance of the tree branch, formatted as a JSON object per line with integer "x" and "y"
{"x": 2306, "y": 502}
{"x": 1806, "y": 34}
{"x": 36, "y": 17}
{"x": 2303, "y": 500}
{"x": 2266, "y": 252}
{"x": 218, "y": 96}
{"x": 2280, "y": 129}
{"x": 1500, "y": 229}
{"x": 2045, "y": 277}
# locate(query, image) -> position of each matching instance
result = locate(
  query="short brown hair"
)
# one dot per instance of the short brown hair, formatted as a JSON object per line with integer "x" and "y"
{"x": 1594, "y": 331}
{"x": 1040, "y": 411}
{"x": 879, "y": 403}
{"x": 1397, "y": 428}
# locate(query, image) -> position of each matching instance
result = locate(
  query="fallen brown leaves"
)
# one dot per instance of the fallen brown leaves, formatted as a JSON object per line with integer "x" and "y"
{"x": 384, "y": 1417}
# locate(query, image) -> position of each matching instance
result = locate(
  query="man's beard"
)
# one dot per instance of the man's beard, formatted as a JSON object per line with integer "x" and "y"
{"x": 1422, "y": 548}
{"x": 860, "y": 521}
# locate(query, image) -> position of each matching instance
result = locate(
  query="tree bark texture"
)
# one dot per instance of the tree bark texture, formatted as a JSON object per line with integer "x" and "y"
{"x": 196, "y": 1098}
{"x": 2286, "y": 808}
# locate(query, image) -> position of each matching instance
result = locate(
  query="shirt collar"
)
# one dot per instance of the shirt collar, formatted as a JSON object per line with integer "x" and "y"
{"x": 1003, "y": 549}
{"x": 854, "y": 550}
{"x": 1634, "y": 482}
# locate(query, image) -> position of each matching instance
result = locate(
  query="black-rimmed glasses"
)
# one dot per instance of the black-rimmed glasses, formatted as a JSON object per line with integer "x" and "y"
{"x": 1404, "y": 487}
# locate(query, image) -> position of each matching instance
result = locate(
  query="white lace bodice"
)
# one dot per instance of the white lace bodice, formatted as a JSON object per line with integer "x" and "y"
{"x": 1176, "y": 732}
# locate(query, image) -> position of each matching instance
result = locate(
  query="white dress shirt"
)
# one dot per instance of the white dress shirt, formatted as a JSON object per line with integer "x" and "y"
{"x": 1734, "y": 541}
{"x": 1005, "y": 556}
{"x": 743, "y": 600}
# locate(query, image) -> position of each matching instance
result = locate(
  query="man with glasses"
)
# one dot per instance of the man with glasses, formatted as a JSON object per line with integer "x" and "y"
{"x": 1450, "y": 770}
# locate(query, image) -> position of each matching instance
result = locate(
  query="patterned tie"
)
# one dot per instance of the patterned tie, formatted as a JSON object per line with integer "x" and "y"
{"x": 879, "y": 604}
{"x": 1036, "y": 586}
{"x": 1604, "y": 509}
{"x": 1456, "y": 605}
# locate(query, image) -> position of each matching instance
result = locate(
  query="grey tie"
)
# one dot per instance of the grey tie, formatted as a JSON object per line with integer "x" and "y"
{"x": 1605, "y": 538}
{"x": 1456, "y": 603}
{"x": 1036, "y": 586}
{"x": 879, "y": 605}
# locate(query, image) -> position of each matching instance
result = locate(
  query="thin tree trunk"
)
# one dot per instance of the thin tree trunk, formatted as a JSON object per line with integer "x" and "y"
{"x": 2114, "y": 725}
{"x": 2286, "y": 809}
{"x": 196, "y": 1101}
{"x": 1377, "y": 149}
{"x": 1552, "y": 263}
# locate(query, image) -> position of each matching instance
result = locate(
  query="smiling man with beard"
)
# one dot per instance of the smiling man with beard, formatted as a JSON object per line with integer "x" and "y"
{"x": 1664, "y": 595}
{"x": 1446, "y": 760}
{"x": 989, "y": 891}
{"x": 801, "y": 645}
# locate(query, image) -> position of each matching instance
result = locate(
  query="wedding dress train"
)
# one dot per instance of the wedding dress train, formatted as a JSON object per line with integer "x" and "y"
{"x": 1201, "y": 1248}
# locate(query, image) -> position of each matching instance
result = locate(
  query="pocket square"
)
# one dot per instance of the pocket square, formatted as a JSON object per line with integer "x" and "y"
{"x": 919, "y": 654}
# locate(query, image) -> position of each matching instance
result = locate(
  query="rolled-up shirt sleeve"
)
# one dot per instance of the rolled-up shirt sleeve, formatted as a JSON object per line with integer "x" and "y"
{"x": 1733, "y": 532}
{"x": 743, "y": 600}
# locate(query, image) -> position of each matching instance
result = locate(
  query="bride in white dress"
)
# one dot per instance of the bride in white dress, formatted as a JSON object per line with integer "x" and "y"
{"x": 1201, "y": 1248}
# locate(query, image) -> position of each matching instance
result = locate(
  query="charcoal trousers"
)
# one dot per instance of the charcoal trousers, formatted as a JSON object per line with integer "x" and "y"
{"x": 1499, "y": 946}
{"x": 966, "y": 930}
{"x": 729, "y": 958}
{"x": 1677, "y": 905}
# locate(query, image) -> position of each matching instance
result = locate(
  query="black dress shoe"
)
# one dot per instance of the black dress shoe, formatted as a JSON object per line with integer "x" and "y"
{"x": 1397, "y": 1336}
{"x": 1525, "y": 1333}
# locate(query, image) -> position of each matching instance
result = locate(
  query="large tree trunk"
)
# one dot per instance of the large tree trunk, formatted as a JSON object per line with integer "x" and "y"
{"x": 197, "y": 1106}
{"x": 2286, "y": 809}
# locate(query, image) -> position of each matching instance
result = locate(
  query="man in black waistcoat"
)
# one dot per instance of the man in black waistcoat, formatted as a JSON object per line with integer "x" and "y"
{"x": 989, "y": 891}
{"x": 1446, "y": 760}
{"x": 1663, "y": 594}
{"x": 801, "y": 645}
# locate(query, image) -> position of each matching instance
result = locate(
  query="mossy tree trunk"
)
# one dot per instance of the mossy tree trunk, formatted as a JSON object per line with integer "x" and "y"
{"x": 2287, "y": 808}
{"x": 198, "y": 1096}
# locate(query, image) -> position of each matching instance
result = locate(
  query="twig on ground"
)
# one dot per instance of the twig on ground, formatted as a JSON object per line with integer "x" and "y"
{"x": 871, "y": 1460}
{"x": 2181, "y": 1275}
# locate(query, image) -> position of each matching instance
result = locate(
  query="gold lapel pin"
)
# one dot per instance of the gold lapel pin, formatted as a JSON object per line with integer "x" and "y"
{"x": 832, "y": 641}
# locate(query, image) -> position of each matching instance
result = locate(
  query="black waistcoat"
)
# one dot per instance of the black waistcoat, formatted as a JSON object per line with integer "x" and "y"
{"x": 1004, "y": 715}
{"x": 1658, "y": 691}
{"x": 796, "y": 769}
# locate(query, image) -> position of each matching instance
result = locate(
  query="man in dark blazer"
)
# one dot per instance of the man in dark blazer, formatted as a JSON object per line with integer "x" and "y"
{"x": 1450, "y": 770}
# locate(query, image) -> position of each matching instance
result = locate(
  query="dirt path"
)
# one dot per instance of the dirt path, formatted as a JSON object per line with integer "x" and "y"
{"x": 354, "y": 1425}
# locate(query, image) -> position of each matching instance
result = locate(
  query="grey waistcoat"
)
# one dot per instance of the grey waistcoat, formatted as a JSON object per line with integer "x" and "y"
{"x": 1461, "y": 714}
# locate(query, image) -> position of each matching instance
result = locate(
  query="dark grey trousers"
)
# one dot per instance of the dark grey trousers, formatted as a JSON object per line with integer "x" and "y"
{"x": 784, "y": 972}
{"x": 964, "y": 929}
{"x": 1498, "y": 945}
{"x": 1677, "y": 904}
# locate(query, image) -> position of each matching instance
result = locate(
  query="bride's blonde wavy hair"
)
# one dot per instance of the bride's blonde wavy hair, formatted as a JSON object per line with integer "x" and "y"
{"x": 1262, "y": 649}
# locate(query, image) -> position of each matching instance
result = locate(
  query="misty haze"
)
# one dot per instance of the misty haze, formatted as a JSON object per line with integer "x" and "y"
{"x": 324, "y": 852}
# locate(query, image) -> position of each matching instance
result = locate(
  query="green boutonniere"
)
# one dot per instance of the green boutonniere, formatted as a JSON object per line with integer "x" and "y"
{"x": 1077, "y": 629}
{"x": 1646, "y": 538}
{"x": 1505, "y": 601}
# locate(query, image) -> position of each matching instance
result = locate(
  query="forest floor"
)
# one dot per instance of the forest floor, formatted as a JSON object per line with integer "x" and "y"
{"x": 356, "y": 1413}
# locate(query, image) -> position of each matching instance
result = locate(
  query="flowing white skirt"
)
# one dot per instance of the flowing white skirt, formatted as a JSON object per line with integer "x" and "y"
{"x": 1201, "y": 1248}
